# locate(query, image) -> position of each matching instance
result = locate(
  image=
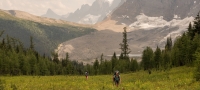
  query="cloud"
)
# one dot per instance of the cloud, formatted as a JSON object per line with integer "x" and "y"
{"x": 39, "y": 7}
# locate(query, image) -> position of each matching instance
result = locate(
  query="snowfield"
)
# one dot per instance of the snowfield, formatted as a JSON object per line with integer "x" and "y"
{"x": 90, "y": 19}
{"x": 146, "y": 22}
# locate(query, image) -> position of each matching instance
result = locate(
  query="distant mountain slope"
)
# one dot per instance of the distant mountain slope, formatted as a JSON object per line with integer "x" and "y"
{"x": 148, "y": 22}
{"x": 94, "y": 13}
{"x": 44, "y": 20}
{"x": 89, "y": 47}
{"x": 46, "y": 33}
{"x": 51, "y": 14}
{"x": 127, "y": 13}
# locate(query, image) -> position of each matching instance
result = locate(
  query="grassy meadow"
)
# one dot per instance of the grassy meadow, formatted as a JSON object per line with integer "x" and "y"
{"x": 180, "y": 78}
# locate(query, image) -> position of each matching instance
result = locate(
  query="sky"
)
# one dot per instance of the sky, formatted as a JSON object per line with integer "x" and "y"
{"x": 40, "y": 7}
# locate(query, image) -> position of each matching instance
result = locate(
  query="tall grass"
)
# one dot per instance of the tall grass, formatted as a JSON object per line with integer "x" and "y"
{"x": 180, "y": 78}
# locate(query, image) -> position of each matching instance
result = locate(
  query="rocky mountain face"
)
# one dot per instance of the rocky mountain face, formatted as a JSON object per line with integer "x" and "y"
{"x": 149, "y": 23}
{"x": 128, "y": 12}
{"x": 96, "y": 12}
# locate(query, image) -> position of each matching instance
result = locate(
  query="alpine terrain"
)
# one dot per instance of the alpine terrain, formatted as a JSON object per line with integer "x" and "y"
{"x": 99, "y": 10}
{"x": 149, "y": 23}
{"x": 47, "y": 33}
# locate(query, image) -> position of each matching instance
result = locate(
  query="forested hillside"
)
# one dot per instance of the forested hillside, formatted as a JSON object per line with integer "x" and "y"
{"x": 185, "y": 51}
{"x": 46, "y": 36}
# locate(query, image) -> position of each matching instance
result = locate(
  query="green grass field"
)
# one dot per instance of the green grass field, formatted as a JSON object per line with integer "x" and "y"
{"x": 180, "y": 78}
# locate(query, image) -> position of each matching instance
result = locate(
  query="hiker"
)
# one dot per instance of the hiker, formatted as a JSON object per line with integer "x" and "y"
{"x": 86, "y": 75}
{"x": 116, "y": 78}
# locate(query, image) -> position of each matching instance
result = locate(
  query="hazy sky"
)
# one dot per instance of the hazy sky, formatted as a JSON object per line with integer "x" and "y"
{"x": 39, "y": 7}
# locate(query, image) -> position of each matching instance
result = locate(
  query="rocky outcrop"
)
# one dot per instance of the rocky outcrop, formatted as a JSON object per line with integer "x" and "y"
{"x": 127, "y": 12}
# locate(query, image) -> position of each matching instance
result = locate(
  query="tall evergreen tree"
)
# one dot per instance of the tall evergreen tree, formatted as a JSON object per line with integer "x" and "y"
{"x": 197, "y": 65}
{"x": 196, "y": 25}
{"x": 134, "y": 65}
{"x": 147, "y": 58}
{"x": 157, "y": 59}
{"x": 125, "y": 50}
{"x": 191, "y": 32}
{"x": 114, "y": 61}
{"x": 96, "y": 67}
{"x": 168, "y": 45}
{"x": 31, "y": 43}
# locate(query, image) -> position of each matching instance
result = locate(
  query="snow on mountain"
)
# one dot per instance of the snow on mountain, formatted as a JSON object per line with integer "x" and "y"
{"x": 182, "y": 25}
{"x": 109, "y": 1}
{"x": 145, "y": 22}
{"x": 148, "y": 23}
{"x": 89, "y": 19}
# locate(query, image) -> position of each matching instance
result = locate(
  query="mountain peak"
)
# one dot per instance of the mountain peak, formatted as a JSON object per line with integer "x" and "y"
{"x": 50, "y": 11}
{"x": 51, "y": 14}
{"x": 95, "y": 12}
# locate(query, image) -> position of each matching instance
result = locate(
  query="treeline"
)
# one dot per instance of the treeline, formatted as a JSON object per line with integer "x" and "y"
{"x": 184, "y": 51}
{"x": 17, "y": 60}
{"x": 103, "y": 66}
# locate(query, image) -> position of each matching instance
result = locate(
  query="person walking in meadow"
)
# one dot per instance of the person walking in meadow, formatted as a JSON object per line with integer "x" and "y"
{"x": 116, "y": 78}
{"x": 86, "y": 75}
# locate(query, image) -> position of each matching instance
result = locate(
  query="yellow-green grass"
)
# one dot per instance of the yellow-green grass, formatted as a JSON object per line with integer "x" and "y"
{"x": 180, "y": 78}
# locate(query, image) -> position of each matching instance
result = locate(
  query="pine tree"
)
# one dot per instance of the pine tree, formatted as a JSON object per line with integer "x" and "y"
{"x": 96, "y": 67}
{"x": 134, "y": 65}
{"x": 55, "y": 57}
{"x": 168, "y": 45}
{"x": 197, "y": 65}
{"x": 114, "y": 61}
{"x": 147, "y": 58}
{"x": 125, "y": 50}
{"x": 158, "y": 58}
{"x": 166, "y": 60}
{"x": 31, "y": 43}
{"x": 196, "y": 25}
{"x": 101, "y": 59}
{"x": 191, "y": 32}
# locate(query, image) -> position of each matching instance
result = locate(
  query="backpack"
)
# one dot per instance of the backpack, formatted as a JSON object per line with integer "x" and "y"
{"x": 116, "y": 77}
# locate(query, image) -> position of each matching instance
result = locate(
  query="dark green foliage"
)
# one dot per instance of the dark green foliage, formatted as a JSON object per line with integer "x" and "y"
{"x": 96, "y": 67}
{"x": 166, "y": 60}
{"x": 114, "y": 61}
{"x": 134, "y": 65}
{"x": 196, "y": 25}
{"x": 31, "y": 43}
{"x": 147, "y": 58}
{"x": 16, "y": 60}
{"x": 158, "y": 61}
{"x": 197, "y": 64}
{"x": 168, "y": 45}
